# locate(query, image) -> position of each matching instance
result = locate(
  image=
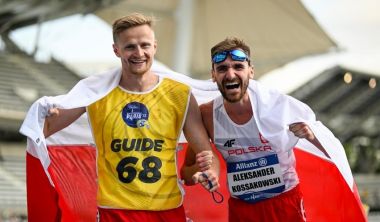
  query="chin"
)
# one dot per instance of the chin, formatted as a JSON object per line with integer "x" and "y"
{"x": 140, "y": 71}
{"x": 233, "y": 98}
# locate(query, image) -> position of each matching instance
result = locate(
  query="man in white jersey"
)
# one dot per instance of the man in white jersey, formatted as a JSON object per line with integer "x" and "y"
{"x": 136, "y": 126}
{"x": 261, "y": 175}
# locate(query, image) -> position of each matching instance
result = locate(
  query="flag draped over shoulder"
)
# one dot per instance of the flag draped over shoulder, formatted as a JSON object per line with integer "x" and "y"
{"x": 61, "y": 172}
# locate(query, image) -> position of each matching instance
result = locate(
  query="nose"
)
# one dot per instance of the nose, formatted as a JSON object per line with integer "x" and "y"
{"x": 139, "y": 51}
{"x": 230, "y": 74}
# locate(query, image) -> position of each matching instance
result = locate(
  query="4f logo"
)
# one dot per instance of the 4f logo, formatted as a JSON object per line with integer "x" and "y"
{"x": 229, "y": 143}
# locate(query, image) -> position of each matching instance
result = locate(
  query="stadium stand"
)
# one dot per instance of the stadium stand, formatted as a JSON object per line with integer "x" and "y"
{"x": 12, "y": 180}
{"x": 22, "y": 81}
{"x": 345, "y": 100}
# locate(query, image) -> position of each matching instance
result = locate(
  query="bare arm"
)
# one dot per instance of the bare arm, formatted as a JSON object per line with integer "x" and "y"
{"x": 194, "y": 129}
{"x": 196, "y": 162}
{"x": 58, "y": 119}
{"x": 302, "y": 130}
{"x": 189, "y": 167}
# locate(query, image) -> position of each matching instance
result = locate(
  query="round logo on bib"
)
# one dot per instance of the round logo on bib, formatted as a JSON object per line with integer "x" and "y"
{"x": 262, "y": 162}
{"x": 135, "y": 115}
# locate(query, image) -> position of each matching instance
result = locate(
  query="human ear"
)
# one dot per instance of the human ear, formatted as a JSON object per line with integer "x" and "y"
{"x": 154, "y": 47}
{"x": 213, "y": 75}
{"x": 116, "y": 50}
{"x": 251, "y": 72}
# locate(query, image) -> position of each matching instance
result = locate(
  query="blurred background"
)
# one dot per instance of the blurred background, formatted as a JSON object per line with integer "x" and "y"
{"x": 325, "y": 53}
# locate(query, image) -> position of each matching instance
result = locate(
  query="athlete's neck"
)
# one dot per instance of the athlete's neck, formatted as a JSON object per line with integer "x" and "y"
{"x": 240, "y": 112}
{"x": 139, "y": 83}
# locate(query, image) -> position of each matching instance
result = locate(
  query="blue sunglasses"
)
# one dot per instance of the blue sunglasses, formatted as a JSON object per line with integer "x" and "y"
{"x": 236, "y": 55}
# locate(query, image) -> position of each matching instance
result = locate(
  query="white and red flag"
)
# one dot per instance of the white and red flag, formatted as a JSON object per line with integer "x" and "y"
{"x": 61, "y": 170}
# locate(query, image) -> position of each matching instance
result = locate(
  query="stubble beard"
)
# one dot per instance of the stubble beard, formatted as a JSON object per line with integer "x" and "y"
{"x": 243, "y": 90}
{"x": 140, "y": 71}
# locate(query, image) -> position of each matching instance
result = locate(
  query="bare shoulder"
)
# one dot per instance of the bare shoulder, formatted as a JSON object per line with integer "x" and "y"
{"x": 206, "y": 108}
{"x": 207, "y": 116}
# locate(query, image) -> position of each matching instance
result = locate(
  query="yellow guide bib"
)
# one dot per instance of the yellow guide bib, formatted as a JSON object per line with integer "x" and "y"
{"x": 136, "y": 136}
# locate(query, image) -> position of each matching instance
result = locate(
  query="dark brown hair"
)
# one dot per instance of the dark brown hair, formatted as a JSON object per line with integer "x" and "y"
{"x": 231, "y": 43}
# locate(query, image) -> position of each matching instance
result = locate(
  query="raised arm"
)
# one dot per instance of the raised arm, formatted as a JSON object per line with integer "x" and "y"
{"x": 59, "y": 119}
{"x": 302, "y": 130}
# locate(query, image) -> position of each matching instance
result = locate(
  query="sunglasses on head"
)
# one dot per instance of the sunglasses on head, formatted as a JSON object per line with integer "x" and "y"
{"x": 236, "y": 55}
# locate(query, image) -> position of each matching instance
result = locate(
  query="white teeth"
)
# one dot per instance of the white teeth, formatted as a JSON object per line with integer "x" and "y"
{"x": 232, "y": 85}
{"x": 137, "y": 61}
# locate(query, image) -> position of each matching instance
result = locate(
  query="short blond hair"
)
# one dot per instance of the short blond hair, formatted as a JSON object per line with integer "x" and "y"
{"x": 129, "y": 21}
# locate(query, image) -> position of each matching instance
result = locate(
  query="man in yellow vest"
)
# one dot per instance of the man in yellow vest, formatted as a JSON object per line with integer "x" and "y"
{"x": 136, "y": 126}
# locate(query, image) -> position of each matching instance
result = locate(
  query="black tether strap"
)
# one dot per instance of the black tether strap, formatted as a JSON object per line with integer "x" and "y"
{"x": 214, "y": 192}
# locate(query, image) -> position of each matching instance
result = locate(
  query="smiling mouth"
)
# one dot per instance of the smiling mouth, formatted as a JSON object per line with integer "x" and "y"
{"x": 137, "y": 61}
{"x": 232, "y": 85}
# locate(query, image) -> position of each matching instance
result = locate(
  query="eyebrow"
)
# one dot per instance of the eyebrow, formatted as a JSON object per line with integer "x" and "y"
{"x": 140, "y": 43}
{"x": 221, "y": 67}
{"x": 235, "y": 65}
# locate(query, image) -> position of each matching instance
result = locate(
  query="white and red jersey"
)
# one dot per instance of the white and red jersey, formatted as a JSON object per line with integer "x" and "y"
{"x": 256, "y": 168}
